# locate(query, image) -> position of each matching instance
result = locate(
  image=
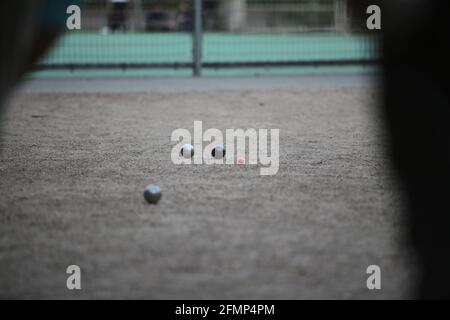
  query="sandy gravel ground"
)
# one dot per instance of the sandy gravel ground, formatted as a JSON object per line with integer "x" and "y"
{"x": 73, "y": 167}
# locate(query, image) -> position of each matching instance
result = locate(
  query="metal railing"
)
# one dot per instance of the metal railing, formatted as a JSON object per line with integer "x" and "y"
{"x": 213, "y": 34}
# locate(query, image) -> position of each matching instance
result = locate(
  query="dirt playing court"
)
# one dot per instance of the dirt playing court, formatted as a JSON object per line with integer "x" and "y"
{"x": 74, "y": 165}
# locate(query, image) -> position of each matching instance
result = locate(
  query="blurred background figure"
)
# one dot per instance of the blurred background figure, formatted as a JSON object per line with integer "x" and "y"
{"x": 156, "y": 19}
{"x": 233, "y": 14}
{"x": 184, "y": 17}
{"x": 117, "y": 20}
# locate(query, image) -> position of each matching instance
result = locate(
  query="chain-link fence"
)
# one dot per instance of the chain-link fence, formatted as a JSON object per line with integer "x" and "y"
{"x": 201, "y": 34}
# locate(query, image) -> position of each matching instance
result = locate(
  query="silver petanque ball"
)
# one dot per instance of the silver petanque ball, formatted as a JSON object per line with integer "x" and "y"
{"x": 218, "y": 152}
{"x": 187, "y": 151}
{"x": 152, "y": 193}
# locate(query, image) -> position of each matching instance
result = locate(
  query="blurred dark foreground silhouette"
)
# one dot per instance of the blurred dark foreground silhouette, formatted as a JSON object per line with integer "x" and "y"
{"x": 415, "y": 105}
{"x": 28, "y": 28}
{"x": 417, "y": 110}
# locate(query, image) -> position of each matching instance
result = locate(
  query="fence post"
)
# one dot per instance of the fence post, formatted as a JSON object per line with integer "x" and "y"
{"x": 197, "y": 38}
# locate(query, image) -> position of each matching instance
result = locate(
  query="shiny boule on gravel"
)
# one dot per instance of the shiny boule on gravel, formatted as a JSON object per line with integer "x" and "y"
{"x": 218, "y": 152}
{"x": 152, "y": 193}
{"x": 187, "y": 151}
